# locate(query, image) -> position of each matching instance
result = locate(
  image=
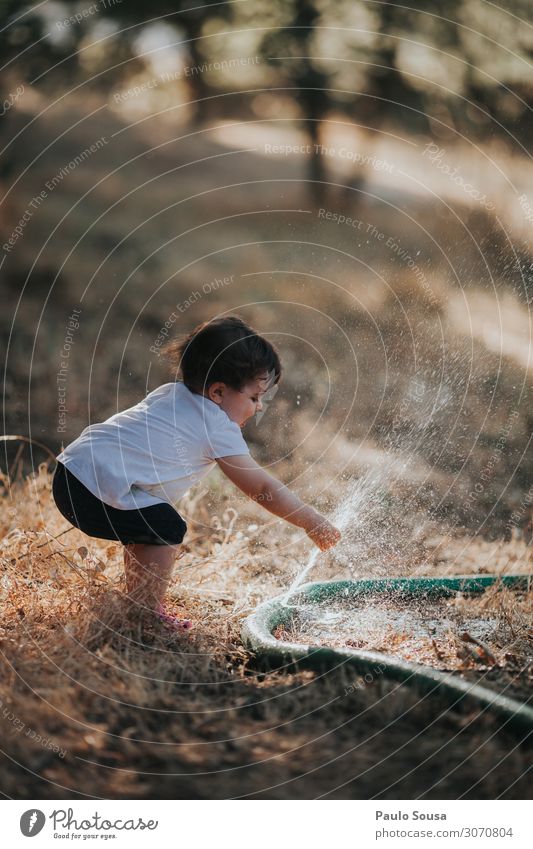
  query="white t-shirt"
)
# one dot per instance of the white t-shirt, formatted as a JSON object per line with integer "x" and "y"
{"x": 154, "y": 451}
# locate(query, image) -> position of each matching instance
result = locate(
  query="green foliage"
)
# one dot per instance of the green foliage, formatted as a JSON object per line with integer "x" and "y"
{"x": 463, "y": 64}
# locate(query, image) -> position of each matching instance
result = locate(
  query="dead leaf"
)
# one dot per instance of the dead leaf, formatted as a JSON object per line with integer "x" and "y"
{"x": 484, "y": 654}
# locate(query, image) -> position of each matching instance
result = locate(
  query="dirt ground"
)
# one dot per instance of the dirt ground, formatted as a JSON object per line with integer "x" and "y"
{"x": 90, "y": 707}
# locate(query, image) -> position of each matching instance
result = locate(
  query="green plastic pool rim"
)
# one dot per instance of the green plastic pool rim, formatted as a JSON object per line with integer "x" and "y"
{"x": 258, "y": 638}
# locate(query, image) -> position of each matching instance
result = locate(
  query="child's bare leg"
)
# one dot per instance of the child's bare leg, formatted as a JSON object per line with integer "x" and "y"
{"x": 148, "y": 570}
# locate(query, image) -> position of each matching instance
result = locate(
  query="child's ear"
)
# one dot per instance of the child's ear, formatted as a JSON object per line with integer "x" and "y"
{"x": 216, "y": 391}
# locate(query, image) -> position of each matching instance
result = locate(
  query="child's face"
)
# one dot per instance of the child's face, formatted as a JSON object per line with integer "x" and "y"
{"x": 240, "y": 404}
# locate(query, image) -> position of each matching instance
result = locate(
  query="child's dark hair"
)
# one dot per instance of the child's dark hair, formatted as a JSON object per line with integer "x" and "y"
{"x": 224, "y": 349}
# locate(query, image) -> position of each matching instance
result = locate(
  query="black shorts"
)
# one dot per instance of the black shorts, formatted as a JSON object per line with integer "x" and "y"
{"x": 158, "y": 524}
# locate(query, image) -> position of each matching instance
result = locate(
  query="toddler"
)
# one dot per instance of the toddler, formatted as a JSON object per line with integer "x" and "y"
{"x": 121, "y": 478}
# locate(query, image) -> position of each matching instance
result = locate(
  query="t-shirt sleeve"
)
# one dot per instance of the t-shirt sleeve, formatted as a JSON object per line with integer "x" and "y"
{"x": 225, "y": 439}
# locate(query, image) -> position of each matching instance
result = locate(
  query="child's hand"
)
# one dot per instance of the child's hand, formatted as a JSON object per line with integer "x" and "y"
{"x": 324, "y": 534}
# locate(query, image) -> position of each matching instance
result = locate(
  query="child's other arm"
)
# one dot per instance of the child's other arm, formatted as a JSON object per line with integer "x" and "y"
{"x": 274, "y": 496}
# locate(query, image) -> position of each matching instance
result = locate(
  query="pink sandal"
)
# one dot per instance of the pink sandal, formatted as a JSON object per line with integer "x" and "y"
{"x": 173, "y": 622}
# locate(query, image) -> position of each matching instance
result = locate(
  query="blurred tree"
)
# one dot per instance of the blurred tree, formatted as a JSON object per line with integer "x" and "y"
{"x": 438, "y": 66}
{"x": 294, "y": 43}
{"x": 426, "y": 67}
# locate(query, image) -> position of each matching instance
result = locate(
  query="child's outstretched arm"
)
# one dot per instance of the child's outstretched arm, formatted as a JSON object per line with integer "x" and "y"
{"x": 274, "y": 496}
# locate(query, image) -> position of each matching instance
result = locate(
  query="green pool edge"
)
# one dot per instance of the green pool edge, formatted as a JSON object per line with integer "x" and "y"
{"x": 258, "y": 638}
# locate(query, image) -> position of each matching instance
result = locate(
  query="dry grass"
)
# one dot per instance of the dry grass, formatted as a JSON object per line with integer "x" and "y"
{"x": 136, "y": 715}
